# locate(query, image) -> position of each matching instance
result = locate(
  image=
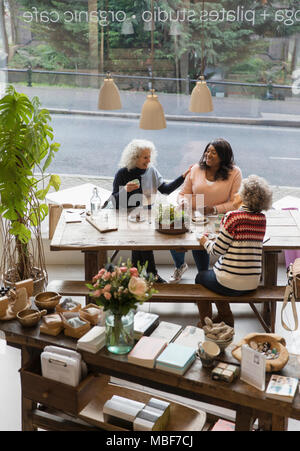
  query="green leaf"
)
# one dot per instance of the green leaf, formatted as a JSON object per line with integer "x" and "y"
{"x": 19, "y": 230}
{"x": 55, "y": 181}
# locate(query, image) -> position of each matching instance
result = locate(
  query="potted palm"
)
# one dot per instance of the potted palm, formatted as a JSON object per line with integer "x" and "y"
{"x": 26, "y": 151}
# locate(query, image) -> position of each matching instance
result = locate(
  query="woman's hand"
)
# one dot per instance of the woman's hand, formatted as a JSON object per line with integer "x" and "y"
{"x": 131, "y": 187}
{"x": 187, "y": 171}
{"x": 202, "y": 240}
{"x": 209, "y": 211}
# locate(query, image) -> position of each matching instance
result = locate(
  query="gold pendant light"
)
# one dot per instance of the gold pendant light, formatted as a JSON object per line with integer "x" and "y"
{"x": 152, "y": 115}
{"x": 109, "y": 96}
{"x": 201, "y": 100}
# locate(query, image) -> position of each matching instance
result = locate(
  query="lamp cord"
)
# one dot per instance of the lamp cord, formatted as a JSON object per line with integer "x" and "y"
{"x": 152, "y": 45}
{"x": 202, "y": 42}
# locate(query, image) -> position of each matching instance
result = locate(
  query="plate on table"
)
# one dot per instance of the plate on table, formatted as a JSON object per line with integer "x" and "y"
{"x": 201, "y": 220}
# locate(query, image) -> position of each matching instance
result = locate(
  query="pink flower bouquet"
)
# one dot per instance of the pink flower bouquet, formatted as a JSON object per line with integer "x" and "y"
{"x": 119, "y": 288}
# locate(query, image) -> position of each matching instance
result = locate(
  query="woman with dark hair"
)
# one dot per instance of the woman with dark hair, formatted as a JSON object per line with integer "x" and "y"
{"x": 210, "y": 187}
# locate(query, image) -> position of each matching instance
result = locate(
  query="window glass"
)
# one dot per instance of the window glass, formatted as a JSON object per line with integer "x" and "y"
{"x": 248, "y": 51}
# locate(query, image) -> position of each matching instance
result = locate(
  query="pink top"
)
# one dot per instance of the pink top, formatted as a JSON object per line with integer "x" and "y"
{"x": 217, "y": 194}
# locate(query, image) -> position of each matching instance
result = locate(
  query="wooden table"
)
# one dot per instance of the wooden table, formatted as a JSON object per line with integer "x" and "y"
{"x": 248, "y": 402}
{"x": 283, "y": 229}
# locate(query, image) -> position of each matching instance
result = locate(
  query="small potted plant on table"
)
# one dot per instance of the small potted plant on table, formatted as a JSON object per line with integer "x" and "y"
{"x": 171, "y": 219}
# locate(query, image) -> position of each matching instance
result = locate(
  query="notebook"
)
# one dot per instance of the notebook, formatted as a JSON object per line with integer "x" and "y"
{"x": 190, "y": 336}
{"x": 144, "y": 323}
{"x": 146, "y": 351}
{"x": 166, "y": 331}
{"x": 93, "y": 340}
{"x": 176, "y": 358}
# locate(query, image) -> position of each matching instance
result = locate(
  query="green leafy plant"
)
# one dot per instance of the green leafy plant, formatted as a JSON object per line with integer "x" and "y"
{"x": 169, "y": 214}
{"x": 26, "y": 151}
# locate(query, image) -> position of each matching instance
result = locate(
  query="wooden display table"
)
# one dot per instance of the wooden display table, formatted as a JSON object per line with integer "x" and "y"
{"x": 248, "y": 402}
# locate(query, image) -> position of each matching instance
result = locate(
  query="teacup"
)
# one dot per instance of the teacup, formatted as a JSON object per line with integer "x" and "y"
{"x": 208, "y": 351}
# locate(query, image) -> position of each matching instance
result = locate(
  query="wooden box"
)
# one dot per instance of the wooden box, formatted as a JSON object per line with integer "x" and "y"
{"x": 54, "y": 394}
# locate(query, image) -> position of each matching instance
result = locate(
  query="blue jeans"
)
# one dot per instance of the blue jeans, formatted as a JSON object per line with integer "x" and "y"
{"x": 208, "y": 279}
{"x": 201, "y": 258}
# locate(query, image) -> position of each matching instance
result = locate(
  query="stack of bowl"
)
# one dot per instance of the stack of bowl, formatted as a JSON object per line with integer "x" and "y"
{"x": 219, "y": 333}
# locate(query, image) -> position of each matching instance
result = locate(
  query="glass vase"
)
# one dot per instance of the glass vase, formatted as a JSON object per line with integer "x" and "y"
{"x": 119, "y": 332}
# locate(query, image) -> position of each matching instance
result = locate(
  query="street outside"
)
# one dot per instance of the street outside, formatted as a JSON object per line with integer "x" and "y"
{"x": 92, "y": 145}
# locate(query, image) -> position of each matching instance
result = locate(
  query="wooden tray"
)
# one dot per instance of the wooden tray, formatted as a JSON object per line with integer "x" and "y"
{"x": 172, "y": 230}
{"x": 182, "y": 417}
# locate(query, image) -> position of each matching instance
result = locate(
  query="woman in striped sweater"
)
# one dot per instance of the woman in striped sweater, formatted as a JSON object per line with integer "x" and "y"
{"x": 239, "y": 248}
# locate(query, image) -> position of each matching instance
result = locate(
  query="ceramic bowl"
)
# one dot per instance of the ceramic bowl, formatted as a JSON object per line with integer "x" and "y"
{"x": 47, "y": 300}
{"x": 221, "y": 343}
{"x": 30, "y": 317}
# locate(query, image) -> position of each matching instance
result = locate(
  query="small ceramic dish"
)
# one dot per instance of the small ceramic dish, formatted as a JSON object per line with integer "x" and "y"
{"x": 30, "y": 317}
{"x": 221, "y": 343}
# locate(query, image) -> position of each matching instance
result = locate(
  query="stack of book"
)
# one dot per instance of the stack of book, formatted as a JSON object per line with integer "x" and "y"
{"x": 190, "y": 336}
{"x": 135, "y": 415}
{"x": 146, "y": 351}
{"x": 153, "y": 417}
{"x": 176, "y": 358}
{"x": 167, "y": 331}
{"x": 282, "y": 387}
{"x": 121, "y": 411}
{"x": 144, "y": 323}
{"x": 93, "y": 340}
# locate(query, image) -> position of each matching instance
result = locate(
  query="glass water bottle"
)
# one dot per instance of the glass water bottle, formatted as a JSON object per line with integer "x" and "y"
{"x": 95, "y": 204}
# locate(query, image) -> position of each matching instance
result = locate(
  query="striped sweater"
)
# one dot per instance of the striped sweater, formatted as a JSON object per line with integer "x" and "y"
{"x": 239, "y": 248}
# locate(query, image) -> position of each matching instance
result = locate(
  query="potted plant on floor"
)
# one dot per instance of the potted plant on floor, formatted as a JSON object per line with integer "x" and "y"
{"x": 26, "y": 151}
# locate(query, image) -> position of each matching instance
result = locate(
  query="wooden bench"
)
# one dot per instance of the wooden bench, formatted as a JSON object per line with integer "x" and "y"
{"x": 186, "y": 293}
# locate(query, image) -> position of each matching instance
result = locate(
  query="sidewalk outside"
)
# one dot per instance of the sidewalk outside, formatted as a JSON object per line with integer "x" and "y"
{"x": 68, "y": 181}
{"x": 176, "y": 107}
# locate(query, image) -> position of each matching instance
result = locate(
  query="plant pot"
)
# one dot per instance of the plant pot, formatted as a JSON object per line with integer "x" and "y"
{"x": 39, "y": 280}
{"x": 172, "y": 229}
{"x": 119, "y": 331}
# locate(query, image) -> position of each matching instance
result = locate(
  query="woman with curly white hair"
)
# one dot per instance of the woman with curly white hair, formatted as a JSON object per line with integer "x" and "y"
{"x": 137, "y": 180}
{"x": 239, "y": 248}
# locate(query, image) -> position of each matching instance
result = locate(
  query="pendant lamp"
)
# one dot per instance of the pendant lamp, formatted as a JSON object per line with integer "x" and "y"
{"x": 175, "y": 28}
{"x": 201, "y": 100}
{"x": 109, "y": 96}
{"x": 127, "y": 27}
{"x": 148, "y": 26}
{"x": 152, "y": 115}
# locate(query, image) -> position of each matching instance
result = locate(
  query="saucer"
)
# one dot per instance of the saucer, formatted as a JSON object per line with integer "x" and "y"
{"x": 132, "y": 218}
{"x": 200, "y": 220}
